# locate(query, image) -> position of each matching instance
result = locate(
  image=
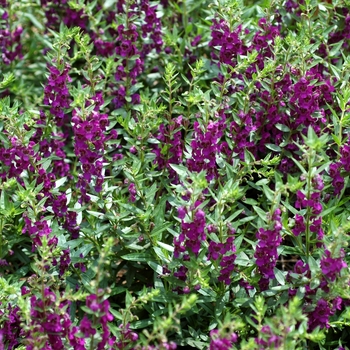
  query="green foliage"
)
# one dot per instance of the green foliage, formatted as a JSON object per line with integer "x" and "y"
{"x": 190, "y": 134}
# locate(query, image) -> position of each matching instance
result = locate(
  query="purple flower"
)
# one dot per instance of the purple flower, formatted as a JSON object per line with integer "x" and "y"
{"x": 331, "y": 267}
{"x": 219, "y": 342}
{"x": 269, "y": 340}
{"x": 92, "y": 303}
{"x": 90, "y": 144}
{"x": 299, "y": 225}
{"x": 56, "y": 94}
{"x": 10, "y": 42}
{"x": 181, "y": 212}
{"x": 48, "y": 319}
{"x": 320, "y": 316}
{"x": 266, "y": 251}
{"x": 171, "y": 149}
{"x": 205, "y": 146}
{"x": 11, "y": 327}
{"x": 64, "y": 261}
{"x": 86, "y": 327}
{"x": 127, "y": 336}
{"x": 196, "y": 40}
{"x": 181, "y": 274}
{"x": 192, "y": 235}
{"x": 133, "y": 192}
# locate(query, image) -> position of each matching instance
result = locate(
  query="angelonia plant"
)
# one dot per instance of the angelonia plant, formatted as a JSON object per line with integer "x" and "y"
{"x": 174, "y": 174}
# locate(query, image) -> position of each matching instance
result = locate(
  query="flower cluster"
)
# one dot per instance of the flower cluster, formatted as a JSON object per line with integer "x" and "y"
{"x": 300, "y": 268}
{"x": 17, "y": 159}
{"x": 131, "y": 66}
{"x": 205, "y": 146}
{"x": 132, "y": 191}
{"x": 313, "y": 204}
{"x": 331, "y": 267}
{"x": 181, "y": 273}
{"x": 10, "y": 42}
{"x": 50, "y": 318}
{"x": 225, "y": 252}
{"x": 127, "y": 336}
{"x": 75, "y": 18}
{"x": 101, "y": 308}
{"x": 218, "y": 342}
{"x": 230, "y": 43}
{"x": 152, "y": 28}
{"x": 11, "y": 329}
{"x": 319, "y": 317}
{"x": 54, "y": 146}
{"x": 240, "y": 131}
{"x": 57, "y": 11}
{"x": 262, "y": 42}
{"x": 87, "y": 328}
{"x": 53, "y": 11}
{"x": 268, "y": 340}
{"x": 336, "y": 168}
{"x": 266, "y": 250}
{"x": 56, "y": 93}
{"x": 36, "y": 231}
{"x": 309, "y": 98}
{"x": 90, "y": 137}
{"x": 171, "y": 147}
{"x": 192, "y": 234}
{"x": 65, "y": 261}
{"x": 70, "y": 224}
{"x": 344, "y": 31}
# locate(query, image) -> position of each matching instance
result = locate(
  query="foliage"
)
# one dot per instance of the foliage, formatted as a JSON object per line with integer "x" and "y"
{"x": 174, "y": 174}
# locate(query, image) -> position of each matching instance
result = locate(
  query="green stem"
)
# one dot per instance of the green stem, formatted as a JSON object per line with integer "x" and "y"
{"x": 341, "y": 129}
{"x": 308, "y": 212}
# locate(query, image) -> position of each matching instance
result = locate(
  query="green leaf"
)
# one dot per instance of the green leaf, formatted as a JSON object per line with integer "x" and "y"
{"x": 155, "y": 267}
{"x": 180, "y": 170}
{"x": 116, "y": 314}
{"x": 234, "y": 215}
{"x": 161, "y": 254}
{"x": 185, "y": 79}
{"x": 157, "y": 230}
{"x": 85, "y": 250}
{"x": 314, "y": 268}
{"x": 144, "y": 257}
{"x": 335, "y": 49}
{"x": 273, "y": 147}
{"x": 96, "y": 214}
{"x": 168, "y": 247}
{"x": 243, "y": 260}
{"x": 8, "y": 79}
{"x": 270, "y": 195}
{"x": 141, "y": 324}
{"x": 150, "y": 192}
{"x": 250, "y": 201}
{"x": 34, "y": 21}
{"x": 60, "y": 182}
{"x": 4, "y": 201}
{"x": 282, "y": 127}
{"x": 159, "y": 211}
{"x": 128, "y": 299}
{"x": 302, "y": 169}
{"x": 279, "y": 276}
{"x": 262, "y": 213}
{"x": 247, "y": 219}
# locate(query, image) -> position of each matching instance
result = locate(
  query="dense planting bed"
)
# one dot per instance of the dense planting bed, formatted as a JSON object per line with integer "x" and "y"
{"x": 174, "y": 174}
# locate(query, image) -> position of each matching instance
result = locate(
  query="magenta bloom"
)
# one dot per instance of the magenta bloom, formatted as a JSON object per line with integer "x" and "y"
{"x": 331, "y": 267}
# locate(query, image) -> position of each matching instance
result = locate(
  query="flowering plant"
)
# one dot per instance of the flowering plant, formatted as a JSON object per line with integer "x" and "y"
{"x": 174, "y": 174}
